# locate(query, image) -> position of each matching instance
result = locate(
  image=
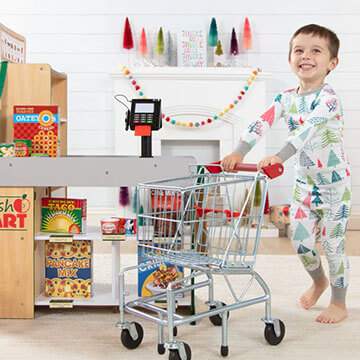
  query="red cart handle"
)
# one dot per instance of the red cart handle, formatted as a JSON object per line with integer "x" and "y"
{"x": 272, "y": 171}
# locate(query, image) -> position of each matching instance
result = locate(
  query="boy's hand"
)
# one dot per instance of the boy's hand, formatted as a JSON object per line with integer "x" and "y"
{"x": 229, "y": 162}
{"x": 269, "y": 160}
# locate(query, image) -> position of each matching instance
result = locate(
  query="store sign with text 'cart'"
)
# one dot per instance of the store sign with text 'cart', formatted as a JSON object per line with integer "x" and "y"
{"x": 14, "y": 211}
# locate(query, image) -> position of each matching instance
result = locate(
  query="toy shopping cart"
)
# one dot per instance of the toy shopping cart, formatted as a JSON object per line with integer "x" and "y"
{"x": 210, "y": 223}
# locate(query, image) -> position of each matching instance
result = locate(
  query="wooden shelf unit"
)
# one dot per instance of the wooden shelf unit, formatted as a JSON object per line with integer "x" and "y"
{"x": 21, "y": 258}
{"x": 22, "y": 261}
{"x": 33, "y": 84}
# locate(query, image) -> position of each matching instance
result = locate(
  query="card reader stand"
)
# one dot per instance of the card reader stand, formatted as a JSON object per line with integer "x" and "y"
{"x": 144, "y": 117}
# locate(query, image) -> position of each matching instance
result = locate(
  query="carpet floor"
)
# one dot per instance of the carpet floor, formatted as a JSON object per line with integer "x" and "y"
{"x": 76, "y": 334}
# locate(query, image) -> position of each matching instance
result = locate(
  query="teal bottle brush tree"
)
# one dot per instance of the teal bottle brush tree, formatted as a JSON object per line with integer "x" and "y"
{"x": 212, "y": 40}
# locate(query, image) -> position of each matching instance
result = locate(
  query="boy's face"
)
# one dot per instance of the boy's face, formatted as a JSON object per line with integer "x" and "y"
{"x": 310, "y": 58}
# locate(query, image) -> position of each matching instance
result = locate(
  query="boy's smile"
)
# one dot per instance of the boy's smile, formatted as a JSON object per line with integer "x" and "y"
{"x": 311, "y": 61}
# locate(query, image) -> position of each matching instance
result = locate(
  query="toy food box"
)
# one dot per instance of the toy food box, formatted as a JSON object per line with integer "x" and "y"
{"x": 127, "y": 226}
{"x": 7, "y": 150}
{"x": 41, "y": 125}
{"x": 166, "y": 204}
{"x": 68, "y": 269}
{"x": 63, "y": 215}
{"x": 154, "y": 279}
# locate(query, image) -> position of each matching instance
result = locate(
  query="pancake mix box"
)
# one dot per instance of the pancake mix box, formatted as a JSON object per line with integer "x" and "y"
{"x": 41, "y": 125}
{"x": 68, "y": 269}
{"x": 60, "y": 215}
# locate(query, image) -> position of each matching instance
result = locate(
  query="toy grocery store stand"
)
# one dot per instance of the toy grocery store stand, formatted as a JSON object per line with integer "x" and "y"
{"x": 23, "y": 183}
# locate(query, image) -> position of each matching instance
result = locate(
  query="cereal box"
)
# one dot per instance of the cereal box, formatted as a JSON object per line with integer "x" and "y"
{"x": 41, "y": 125}
{"x": 63, "y": 215}
{"x": 68, "y": 269}
{"x": 154, "y": 279}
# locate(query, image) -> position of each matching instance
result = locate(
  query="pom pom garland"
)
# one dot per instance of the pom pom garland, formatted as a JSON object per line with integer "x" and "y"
{"x": 196, "y": 124}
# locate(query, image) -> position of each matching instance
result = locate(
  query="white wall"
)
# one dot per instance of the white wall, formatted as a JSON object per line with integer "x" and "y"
{"x": 83, "y": 38}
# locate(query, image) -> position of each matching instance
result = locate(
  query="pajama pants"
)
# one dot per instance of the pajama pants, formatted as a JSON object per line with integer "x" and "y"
{"x": 325, "y": 208}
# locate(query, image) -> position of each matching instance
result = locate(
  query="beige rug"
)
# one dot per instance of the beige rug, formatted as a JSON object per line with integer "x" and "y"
{"x": 91, "y": 334}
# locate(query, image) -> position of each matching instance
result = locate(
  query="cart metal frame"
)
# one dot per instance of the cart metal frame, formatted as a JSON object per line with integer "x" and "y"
{"x": 194, "y": 222}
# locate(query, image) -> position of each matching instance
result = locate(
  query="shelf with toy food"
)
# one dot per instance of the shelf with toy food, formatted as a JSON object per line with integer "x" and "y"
{"x": 25, "y": 184}
{"x": 101, "y": 294}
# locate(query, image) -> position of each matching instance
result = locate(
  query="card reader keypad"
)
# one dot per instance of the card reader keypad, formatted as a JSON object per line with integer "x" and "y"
{"x": 140, "y": 118}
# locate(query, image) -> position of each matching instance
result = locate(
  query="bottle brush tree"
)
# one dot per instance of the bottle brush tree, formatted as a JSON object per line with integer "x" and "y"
{"x": 128, "y": 42}
{"x": 160, "y": 43}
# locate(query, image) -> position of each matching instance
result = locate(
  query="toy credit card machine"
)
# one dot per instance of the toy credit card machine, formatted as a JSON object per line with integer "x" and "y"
{"x": 144, "y": 117}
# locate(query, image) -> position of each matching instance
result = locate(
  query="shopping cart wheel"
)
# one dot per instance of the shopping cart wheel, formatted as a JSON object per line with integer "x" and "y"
{"x": 175, "y": 355}
{"x": 161, "y": 349}
{"x": 270, "y": 335}
{"x": 127, "y": 337}
{"x": 216, "y": 319}
{"x": 224, "y": 350}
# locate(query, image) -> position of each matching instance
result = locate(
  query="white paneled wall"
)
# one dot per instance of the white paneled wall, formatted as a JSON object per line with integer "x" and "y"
{"x": 83, "y": 38}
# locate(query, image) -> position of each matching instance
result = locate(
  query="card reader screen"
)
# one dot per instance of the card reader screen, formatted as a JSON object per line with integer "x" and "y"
{"x": 144, "y": 108}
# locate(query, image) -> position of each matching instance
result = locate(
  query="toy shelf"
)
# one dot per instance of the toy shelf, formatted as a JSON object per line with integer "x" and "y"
{"x": 93, "y": 233}
{"x": 103, "y": 294}
{"x": 26, "y": 246}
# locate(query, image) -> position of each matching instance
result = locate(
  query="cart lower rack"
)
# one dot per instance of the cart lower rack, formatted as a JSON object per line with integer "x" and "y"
{"x": 200, "y": 223}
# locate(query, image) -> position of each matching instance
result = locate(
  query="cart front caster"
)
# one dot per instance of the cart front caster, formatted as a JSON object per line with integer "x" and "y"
{"x": 224, "y": 350}
{"x": 270, "y": 335}
{"x": 132, "y": 337}
{"x": 175, "y": 353}
{"x": 216, "y": 319}
{"x": 161, "y": 349}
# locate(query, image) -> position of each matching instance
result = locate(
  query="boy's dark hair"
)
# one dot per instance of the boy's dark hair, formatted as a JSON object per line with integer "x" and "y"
{"x": 321, "y": 32}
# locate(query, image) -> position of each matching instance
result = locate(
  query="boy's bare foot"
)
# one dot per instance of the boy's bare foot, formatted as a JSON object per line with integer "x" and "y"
{"x": 334, "y": 313}
{"x": 311, "y": 296}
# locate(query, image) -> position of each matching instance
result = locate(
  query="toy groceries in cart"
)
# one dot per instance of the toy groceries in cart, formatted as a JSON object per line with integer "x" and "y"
{"x": 201, "y": 222}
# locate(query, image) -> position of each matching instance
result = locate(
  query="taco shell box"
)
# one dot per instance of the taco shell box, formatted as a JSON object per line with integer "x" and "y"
{"x": 68, "y": 269}
{"x": 59, "y": 215}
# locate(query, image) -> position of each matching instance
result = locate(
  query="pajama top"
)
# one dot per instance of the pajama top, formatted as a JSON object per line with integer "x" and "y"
{"x": 315, "y": 121}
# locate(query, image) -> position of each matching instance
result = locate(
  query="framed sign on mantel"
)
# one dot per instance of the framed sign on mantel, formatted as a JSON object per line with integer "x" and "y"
{"x": 192, "y": 48}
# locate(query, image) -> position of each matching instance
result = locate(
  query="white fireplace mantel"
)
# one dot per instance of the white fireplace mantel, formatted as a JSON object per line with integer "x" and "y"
{"x": 193, "y": 94}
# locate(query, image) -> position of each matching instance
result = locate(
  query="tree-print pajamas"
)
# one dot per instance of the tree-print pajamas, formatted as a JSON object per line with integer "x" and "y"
{"x": 322, "y": 190}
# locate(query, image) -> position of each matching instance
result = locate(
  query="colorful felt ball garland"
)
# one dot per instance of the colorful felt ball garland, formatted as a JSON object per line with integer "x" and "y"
{"x": 195, "y": 124}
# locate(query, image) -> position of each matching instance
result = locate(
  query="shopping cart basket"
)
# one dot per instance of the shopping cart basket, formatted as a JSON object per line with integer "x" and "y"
{"x": 202, "y": 222}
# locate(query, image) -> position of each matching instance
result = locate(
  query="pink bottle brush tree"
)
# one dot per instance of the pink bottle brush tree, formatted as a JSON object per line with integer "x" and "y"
{"x": 143, "y": 43}
{"x": 247, "y": 38}
{"x": 128, "y": 42}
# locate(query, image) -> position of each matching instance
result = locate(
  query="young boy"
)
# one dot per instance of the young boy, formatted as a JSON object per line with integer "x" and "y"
{"x": 314, "y": 116}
